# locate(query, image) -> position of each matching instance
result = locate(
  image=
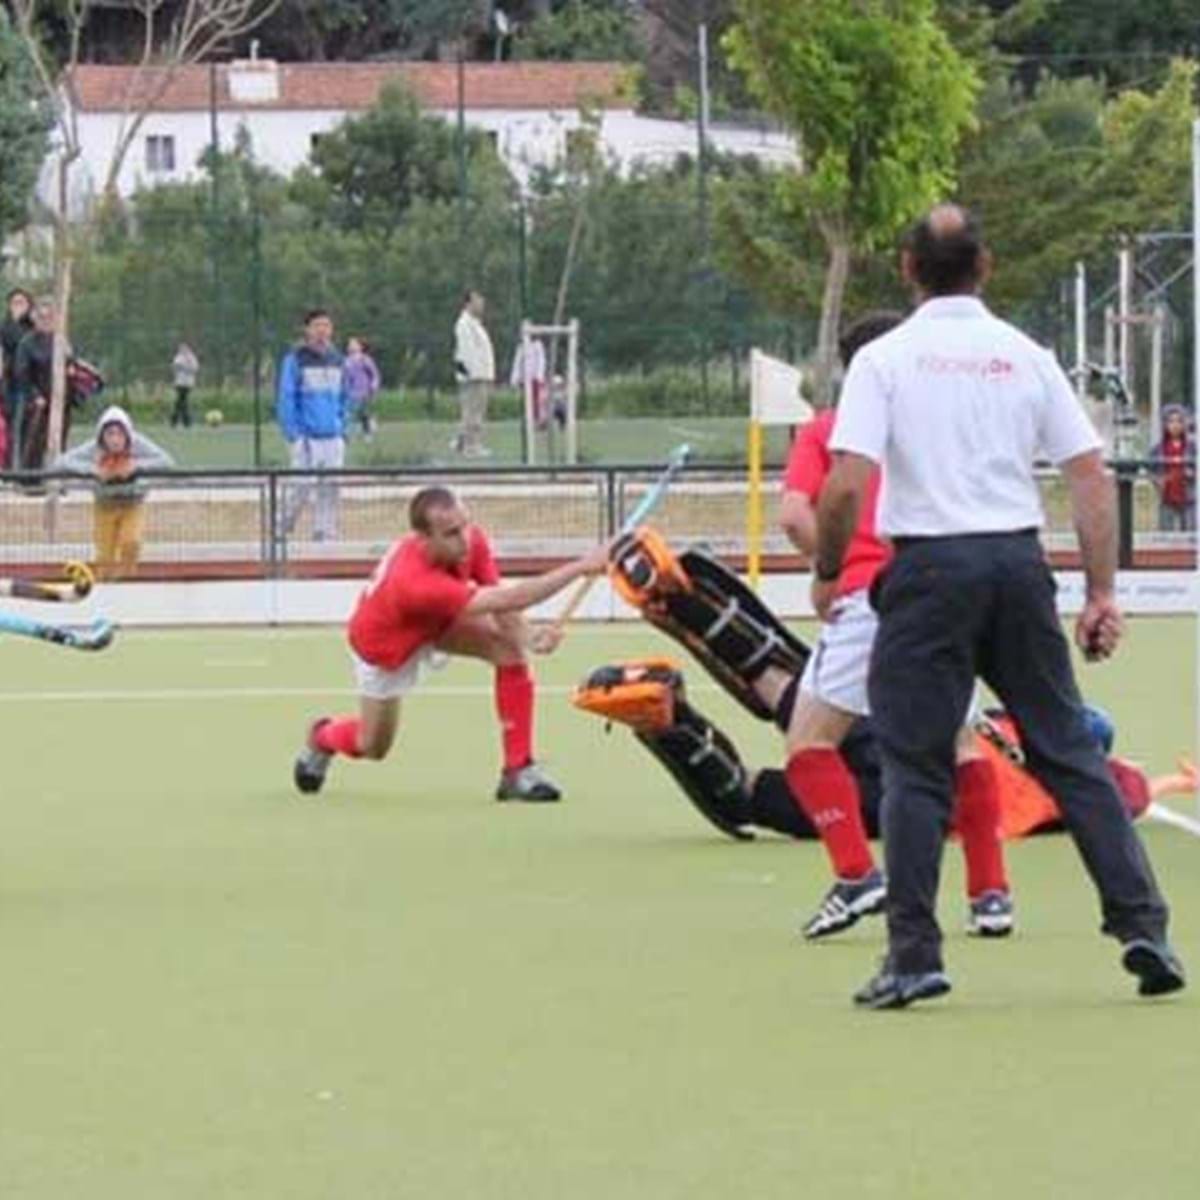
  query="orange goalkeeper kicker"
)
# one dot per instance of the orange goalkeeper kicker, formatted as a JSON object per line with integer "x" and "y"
{"x": 640, "y": 694}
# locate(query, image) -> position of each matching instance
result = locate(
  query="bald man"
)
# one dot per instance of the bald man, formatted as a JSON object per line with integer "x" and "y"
{"x": 956, "y": 405}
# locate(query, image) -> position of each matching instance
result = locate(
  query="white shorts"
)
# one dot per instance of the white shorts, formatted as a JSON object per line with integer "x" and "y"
{"x": 378, "y": 683}
{"x": 837, "y": 669}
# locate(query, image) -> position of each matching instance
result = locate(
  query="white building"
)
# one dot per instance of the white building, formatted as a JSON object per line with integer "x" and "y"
{"x": 530, "y": 108}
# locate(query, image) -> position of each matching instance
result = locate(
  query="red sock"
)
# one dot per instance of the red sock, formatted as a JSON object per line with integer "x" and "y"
{"x": 977, "y": 822}
{"x": 339, "y": 736}
{"x": 514, "y": 707}
{"x": 821, "y": 784}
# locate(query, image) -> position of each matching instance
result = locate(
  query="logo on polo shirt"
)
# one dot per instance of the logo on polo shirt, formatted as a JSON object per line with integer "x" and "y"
{"x": 999, "y": 369}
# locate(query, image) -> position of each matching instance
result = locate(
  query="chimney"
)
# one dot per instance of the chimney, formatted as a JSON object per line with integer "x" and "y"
{"x": 254, "y": 80}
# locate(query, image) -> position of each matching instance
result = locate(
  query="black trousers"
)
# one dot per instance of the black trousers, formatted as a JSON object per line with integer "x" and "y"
{"x": 181, "y": 414}
{"x": 951, "y": 609}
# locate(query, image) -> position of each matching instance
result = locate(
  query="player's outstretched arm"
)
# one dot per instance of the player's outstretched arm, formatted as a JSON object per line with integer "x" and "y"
{"x": 524, "y": 593}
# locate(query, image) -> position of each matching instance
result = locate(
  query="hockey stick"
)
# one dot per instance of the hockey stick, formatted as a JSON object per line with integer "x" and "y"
{"x": 644, "y": 507}
{"x": 75, "y": 585}
{"x": 96, "y": 636}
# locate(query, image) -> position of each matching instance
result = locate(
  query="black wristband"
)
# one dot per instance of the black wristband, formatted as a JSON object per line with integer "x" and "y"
{"x": 825, "y": 575}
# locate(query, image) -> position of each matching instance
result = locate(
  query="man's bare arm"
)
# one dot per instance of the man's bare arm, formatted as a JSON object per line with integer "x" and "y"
{"x": 524, "y": 593}
{"x": 798, "y": 519}
{"x": 841, "y": 500}
{"x": 1094, "y": 509}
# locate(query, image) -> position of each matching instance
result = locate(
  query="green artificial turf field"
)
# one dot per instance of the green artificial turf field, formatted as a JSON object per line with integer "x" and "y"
{"x": 215, "y": 988}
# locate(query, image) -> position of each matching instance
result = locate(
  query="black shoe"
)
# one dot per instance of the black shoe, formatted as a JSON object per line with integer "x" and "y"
{"x": 846, "y": 903}
{"x": 891, "y": 990}
{"x": 528, "y": 783}
{"x": 312, "y": 763}
{"x": 1159, "y": 972}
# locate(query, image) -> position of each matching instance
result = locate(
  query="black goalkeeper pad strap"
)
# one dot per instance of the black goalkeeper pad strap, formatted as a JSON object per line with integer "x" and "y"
{"x": 707, "y": 766}
{"x": 728, "y": 629}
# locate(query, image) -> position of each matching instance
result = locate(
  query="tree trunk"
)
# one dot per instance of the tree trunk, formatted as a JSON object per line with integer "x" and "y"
{"x": 837, "y": 272}
{"x": 564, "y": 283}
{"x": 58, "y": 397}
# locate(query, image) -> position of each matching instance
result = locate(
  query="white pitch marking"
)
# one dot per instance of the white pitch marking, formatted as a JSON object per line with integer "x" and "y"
{"x": 189, "y": 694}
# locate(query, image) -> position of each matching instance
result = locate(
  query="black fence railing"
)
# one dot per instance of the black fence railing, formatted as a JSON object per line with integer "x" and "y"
{"x": 237, "y": 521}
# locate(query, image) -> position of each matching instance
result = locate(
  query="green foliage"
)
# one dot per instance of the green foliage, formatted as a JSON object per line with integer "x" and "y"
{"x": 1124, "y": 43}
{"x": 369, "y": 171}
{"x": 581, "y": 31}
{"x": 1059, "y": 176}
{"x": 24, "y": 128}
{"x": 876, "y": 94}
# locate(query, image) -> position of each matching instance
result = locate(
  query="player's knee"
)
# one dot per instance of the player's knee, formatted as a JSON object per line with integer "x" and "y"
{"x": 506, "y": 649}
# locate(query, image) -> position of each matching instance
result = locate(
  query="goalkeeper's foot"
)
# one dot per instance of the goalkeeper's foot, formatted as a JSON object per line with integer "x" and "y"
{"x": 991, "y": 915}
{"x": 528, "y": 783}
{"x": 312, "y": 763}
{"x": 846, "y": 903}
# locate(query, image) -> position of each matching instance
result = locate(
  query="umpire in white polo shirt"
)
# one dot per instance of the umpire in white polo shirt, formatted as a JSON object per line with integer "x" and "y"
{"x": 956, "y": 405}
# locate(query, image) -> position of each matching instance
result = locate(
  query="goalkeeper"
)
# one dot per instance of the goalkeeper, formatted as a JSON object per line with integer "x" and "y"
{"x": 649, "y": 696}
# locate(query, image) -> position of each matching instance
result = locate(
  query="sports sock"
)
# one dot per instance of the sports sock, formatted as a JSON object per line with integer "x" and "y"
{"x": 339, "y": 736}
{"x": 977, "y": 822}
{"x": 514, "y": 707}
{"x": 821, "y": 784}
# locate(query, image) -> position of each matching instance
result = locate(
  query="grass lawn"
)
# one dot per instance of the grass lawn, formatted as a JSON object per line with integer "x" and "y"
{"x": 618, "y": 440}
{"x": 214, "y": 988}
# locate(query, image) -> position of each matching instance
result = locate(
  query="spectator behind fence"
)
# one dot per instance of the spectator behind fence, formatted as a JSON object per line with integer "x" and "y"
{"x": 114, "y": 458}
{"x": 1175, "y": 472}
{"x": 475, "y": 371}
{"x": 35, "y": 377}
{"x": 531, "y": 368}
{"x": 362, "y": 384}
{"x": 18, "y": 321}
{"x": 312, "y": 410}
{"x": 185, "y": 366}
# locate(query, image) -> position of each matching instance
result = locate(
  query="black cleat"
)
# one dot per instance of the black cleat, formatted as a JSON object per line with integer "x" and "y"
{"x": 312, "y": 763}
{"x": 529, "y": 783}
{"x": 1159, "y": 972}
{"x": 846, "y": 903}
{"x": 891, "y": 990}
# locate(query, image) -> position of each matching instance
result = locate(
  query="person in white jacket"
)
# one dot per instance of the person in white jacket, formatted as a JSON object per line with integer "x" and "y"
{"x": 475, "y": 372}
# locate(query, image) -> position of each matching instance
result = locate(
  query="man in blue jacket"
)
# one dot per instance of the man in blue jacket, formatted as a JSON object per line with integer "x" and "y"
{"x": 312, "y": 408}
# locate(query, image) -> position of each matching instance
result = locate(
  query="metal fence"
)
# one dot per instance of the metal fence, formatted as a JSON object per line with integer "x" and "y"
{"x": 240, "y": 523}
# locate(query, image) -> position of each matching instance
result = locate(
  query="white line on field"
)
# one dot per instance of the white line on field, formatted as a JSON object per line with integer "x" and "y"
{"x": 282, "y": 693}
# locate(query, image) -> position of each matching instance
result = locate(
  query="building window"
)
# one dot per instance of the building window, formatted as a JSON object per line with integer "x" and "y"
{"x": 160, "y": 154}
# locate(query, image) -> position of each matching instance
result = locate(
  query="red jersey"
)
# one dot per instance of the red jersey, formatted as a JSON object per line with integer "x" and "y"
{"x": 809, "y": 464}
{"x": 411, "y": 602}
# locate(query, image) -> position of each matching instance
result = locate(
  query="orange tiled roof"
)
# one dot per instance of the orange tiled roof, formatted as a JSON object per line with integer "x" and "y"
{"x": 356, "y": 86}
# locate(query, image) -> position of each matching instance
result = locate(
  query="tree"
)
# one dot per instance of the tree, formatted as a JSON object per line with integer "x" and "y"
{"x": 189, "y": 36}
{"x": 580, "y": 32}
{"x": 1059, "y": 176}
{"x": 24, "y": 124}
{"x": 878, "y": 99}
{"x": 1123, "y": 42}
{"x": 370, "y": 170}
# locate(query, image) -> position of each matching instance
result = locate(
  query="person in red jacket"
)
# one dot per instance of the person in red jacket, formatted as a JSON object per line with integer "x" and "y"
{"x": 1175, "y": 472}
{"x": 438, "y": 592}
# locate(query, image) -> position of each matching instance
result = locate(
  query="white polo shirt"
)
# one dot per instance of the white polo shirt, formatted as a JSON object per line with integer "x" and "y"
{"x": 956, "y": 406}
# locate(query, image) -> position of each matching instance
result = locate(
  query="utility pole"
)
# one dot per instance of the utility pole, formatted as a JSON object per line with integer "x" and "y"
{"x": 702, "y": 197}
{"x": 214, "y": 152}
{"x": 462, "y": 146}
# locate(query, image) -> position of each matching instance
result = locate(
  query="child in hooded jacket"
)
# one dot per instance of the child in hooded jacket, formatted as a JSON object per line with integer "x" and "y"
{"x": 114, "y": 458}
